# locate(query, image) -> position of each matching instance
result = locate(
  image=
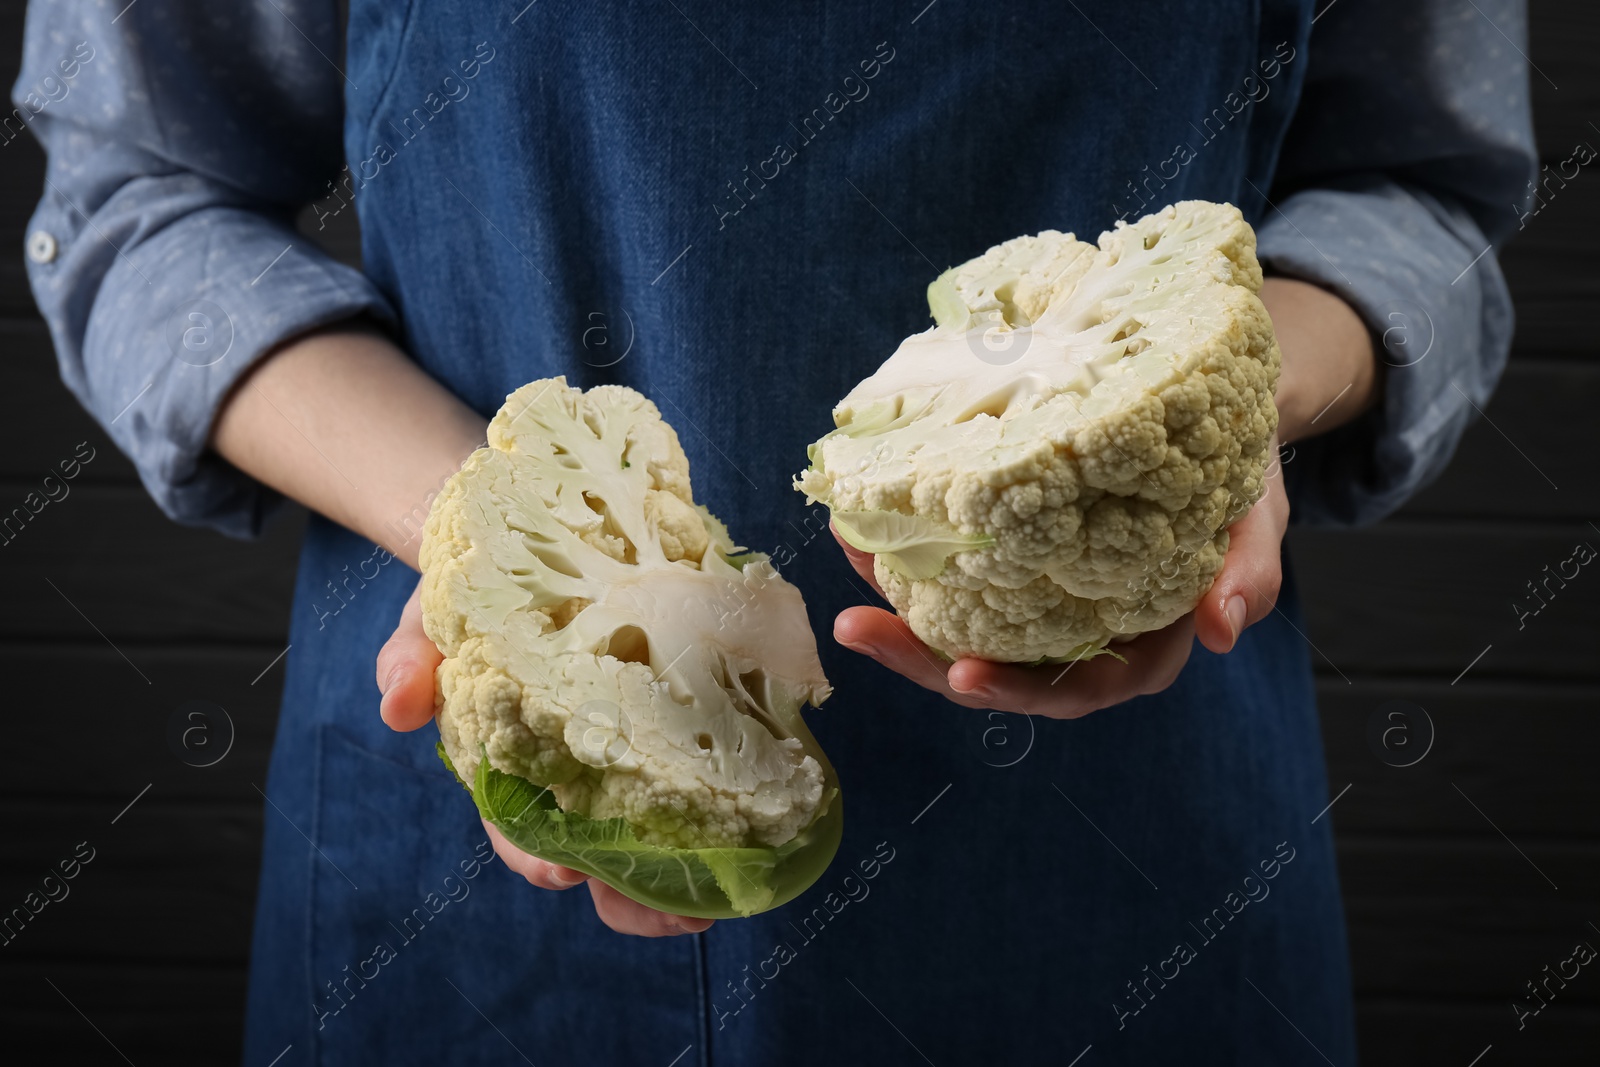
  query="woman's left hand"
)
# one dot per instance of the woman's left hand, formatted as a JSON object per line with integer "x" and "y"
{"x": 1244, "y": 593}
{"x": 1330, "y": 375}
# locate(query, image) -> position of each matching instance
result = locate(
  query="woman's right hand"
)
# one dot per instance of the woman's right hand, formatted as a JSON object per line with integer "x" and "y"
{"x": 372, "y": 466}
{"x": 406, "y": 666}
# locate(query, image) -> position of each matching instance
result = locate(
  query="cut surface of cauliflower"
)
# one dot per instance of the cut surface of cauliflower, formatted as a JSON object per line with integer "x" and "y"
{"x": 1055, "y": 463}
{"x": 598, "y": 642}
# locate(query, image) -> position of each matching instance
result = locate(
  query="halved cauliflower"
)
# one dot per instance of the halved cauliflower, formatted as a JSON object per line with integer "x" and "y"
{"x": 598, "y": 642}
{"x": 1056, "y": 462}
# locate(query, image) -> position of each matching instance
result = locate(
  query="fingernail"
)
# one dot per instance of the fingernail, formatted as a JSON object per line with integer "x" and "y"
{"x": 977, "y": 692}
{"x": 394, "y": 676}
{"x": 1236, "y": 611}
{"x": 691, "y": 926}
{"x": 566, "y": 878}
{"x": 865, "y": 650}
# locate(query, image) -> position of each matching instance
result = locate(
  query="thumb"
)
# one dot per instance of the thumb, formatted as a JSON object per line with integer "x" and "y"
{"x": 405, "y": 670}
{"x": 1246, "y": 589}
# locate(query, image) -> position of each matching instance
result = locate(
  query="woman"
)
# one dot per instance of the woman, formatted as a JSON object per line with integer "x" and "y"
{"x": 747, "y": 206}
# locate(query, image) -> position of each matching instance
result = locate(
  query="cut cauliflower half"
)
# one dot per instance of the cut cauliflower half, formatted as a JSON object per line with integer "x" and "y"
{"x": 600, "y": 648}
{"x": 1056, "y": 462}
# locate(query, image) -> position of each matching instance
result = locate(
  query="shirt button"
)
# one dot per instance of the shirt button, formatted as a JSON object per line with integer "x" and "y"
{"x": 41, "y": 247}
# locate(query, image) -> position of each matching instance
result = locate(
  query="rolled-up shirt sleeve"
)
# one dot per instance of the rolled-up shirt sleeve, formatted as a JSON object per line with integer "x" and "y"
{"x": 163, "y": 253}
{"x": 1408, "y": 163}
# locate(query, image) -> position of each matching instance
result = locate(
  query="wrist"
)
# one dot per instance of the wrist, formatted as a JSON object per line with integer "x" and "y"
{"x": 396, "y": 521}
{"x": 344, "y": 422}
{"x": 1330, "y": 373}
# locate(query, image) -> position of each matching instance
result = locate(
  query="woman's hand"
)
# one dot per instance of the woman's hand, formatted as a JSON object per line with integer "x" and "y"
{"x": 373, "y": 466}
{"x": 1330, "y": 375}
{"x": 405, "y": 677}
{"x": 1244, "y": 593}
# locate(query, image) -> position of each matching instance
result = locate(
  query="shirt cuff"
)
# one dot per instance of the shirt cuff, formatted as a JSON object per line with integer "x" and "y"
{"x": 1426, "y": 281}
{"x": 174, "y": 327}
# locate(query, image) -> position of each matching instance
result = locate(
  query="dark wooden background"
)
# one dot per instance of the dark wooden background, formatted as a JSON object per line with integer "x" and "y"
{"x": 1448, "y": 919}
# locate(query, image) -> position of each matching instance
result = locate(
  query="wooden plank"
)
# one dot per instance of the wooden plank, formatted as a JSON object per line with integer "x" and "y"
{"x": 1479, "y": 867}
{"x": 1406, "y": 1033}
{"x": 1466, "y": 948}
{"x": 187, "y": 871}
{"x": 202, "y": 732}
{"x": 338, "y": 232}
{"x": 1528, "y": 428}
{"x": 1508, "y": 747}
{"x": 1554, "y": 289}
{"x": 1549, "y": 263}
{"x": 1467, "y": 918}
{"x": 1549, "y": 266}
{"x": 41, "y": 423}
{"x": 140, "y": 578}
{"x": 1427, "y": 919}
{"x": 1412, "y": 597}
{"x": 1563, "y": 38}
{"x": 1449, "y": 590}
{"x": 21, "y": 176}
{"x": 20, "y": 185}
{"x": 191, "y": 1015}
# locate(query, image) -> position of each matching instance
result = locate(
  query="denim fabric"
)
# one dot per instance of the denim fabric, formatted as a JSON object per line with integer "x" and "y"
{"x": 580, "y": 180}
{"x": 1002, "y": 924}
{"x": 735, "y": 215}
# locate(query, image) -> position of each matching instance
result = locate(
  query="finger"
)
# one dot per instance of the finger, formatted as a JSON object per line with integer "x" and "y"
{"x": 405, "y": 670}
{"x": 1246, "y": 590}
{"x": 627, "y": 916}
{"x": 1071, "y": 690}
{"x": 541, "y": 873}
{"x": 885, "y": 637}
{"x": 859, "y": 560}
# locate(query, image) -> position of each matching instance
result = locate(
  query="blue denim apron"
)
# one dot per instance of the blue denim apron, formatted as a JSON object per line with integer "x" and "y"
{"x": 736, "y": 213}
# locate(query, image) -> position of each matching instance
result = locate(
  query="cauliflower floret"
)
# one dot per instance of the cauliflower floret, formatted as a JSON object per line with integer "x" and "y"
{"x": 597, "y": 641}
{"x": 1056, "y": 462}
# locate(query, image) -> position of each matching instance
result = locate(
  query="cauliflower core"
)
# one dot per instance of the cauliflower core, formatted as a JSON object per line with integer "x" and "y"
{"x": 597, "y": 640}
{"x": 1056, "y": 462}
